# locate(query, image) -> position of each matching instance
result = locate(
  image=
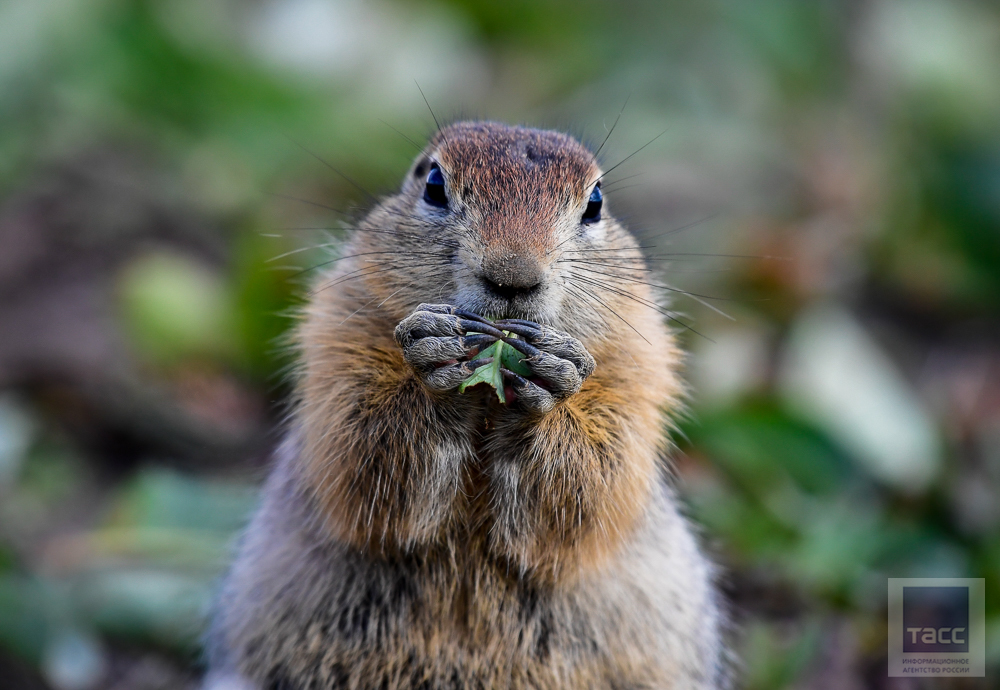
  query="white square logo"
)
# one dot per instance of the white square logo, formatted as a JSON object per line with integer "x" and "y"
{"x": 937, "y": 627}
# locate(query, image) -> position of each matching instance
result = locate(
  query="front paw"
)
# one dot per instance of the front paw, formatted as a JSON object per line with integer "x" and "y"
{"x": 559, "y": 361}
{"x": 436, "y": 342}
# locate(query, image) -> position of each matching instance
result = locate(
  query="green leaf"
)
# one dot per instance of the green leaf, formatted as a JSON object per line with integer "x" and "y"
{"x": 503, "y": 356}
{"x": 490, "y": 373}
{"x": 512, "y": 360}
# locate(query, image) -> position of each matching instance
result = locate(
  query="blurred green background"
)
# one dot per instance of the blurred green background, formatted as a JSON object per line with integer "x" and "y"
{"x": 830, "y": 170}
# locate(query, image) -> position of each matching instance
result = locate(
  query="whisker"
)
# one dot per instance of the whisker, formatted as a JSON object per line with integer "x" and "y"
{"x": 300, "y": 250}
{"x": 351, "y": 256}
{"x": 638, "y": 265}
{"x": 357, "y": 273}
{"x": 608, "y": 307}
{"x": 722, "y": 256}
{"x": 682, "y": 228}
{"x": 700, "y": 299}
{"x": 611, "y": 184}
{"x": 580, "y": 290}
{"x": 610, "y": 249}
{"x": 389, "y": 210}
{"x": 665, "y": 312}
{"x": 428, "y": 104}
{"x": 308, "y": 201}
{"x": 334, "y": 169}
{"x": 310, "y": 227}
{"x": 354, "y": 275}
{"x": 628, "y": 186}
{"x": 568, "y": 239}
{"x": 657, "y": 285}
{"x": 619, "y": 163}
{"x": 377, "y": 306}
{"x": 611, "y": 131}
{"x": 415, "y": 144}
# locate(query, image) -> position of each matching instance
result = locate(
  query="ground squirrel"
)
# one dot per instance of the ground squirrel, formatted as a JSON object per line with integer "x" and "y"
{"x": 412, "y": 536}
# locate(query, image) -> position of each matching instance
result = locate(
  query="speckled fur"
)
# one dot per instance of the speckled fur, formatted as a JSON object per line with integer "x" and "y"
{"x": 416, "y": 538}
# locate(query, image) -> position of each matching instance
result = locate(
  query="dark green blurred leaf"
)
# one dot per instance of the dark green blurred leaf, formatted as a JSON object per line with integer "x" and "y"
{"x": 758, "y": 445}
{"x": 24, "y": 616}
{"x": 160, "y": 608}
{"x": 167, "y": 500}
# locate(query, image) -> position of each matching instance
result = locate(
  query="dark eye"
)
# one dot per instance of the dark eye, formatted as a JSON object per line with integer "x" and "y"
{"x": 434, "y": 191}
{"x": 594, "y": 203}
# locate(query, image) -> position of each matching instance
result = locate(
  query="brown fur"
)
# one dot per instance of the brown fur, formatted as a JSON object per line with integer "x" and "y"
{"x": 415, "y": 538}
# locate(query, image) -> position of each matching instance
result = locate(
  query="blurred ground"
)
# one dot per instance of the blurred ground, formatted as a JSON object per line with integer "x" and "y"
{"x": 830, "y": 169}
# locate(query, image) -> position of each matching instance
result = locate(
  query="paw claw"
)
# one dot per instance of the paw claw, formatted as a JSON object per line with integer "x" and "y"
{"x": 436, "y": 335}
{"x": 478, "y": 327}
{"x": 472, "y": 316}
{"x": 477, "y": 342}
{"x": 529, "y": 332}
{"x": 523, "y": 347}
{"x": 451, "y": 376}
{"x": 530, "y": 395}
{"x": 557, "y": 358}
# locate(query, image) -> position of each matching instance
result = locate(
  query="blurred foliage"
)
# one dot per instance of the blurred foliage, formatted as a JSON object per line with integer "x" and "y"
{"x": 176, "y": 309}
{"x": 826, "y": 167}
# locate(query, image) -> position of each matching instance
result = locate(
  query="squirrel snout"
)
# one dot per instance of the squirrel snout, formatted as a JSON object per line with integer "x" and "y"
{"x": 508, "y": 274}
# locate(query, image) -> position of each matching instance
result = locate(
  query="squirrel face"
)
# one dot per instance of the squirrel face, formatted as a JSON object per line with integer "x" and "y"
{"x": 507, "y": 222}
{"x": 510, "y": 202}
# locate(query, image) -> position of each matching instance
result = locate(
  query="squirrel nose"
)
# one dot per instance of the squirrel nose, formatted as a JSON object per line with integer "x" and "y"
{"x": 510, "y": 273}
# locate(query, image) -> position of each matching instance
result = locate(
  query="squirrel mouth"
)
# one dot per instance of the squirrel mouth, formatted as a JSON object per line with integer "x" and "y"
{"x": 511, "y": 293}
{"x": 493, "y": 300}
{"x": 510, "y": 302}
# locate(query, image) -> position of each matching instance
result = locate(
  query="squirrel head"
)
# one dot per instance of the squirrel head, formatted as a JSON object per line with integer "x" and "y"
{"x": 499, "y": 217}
